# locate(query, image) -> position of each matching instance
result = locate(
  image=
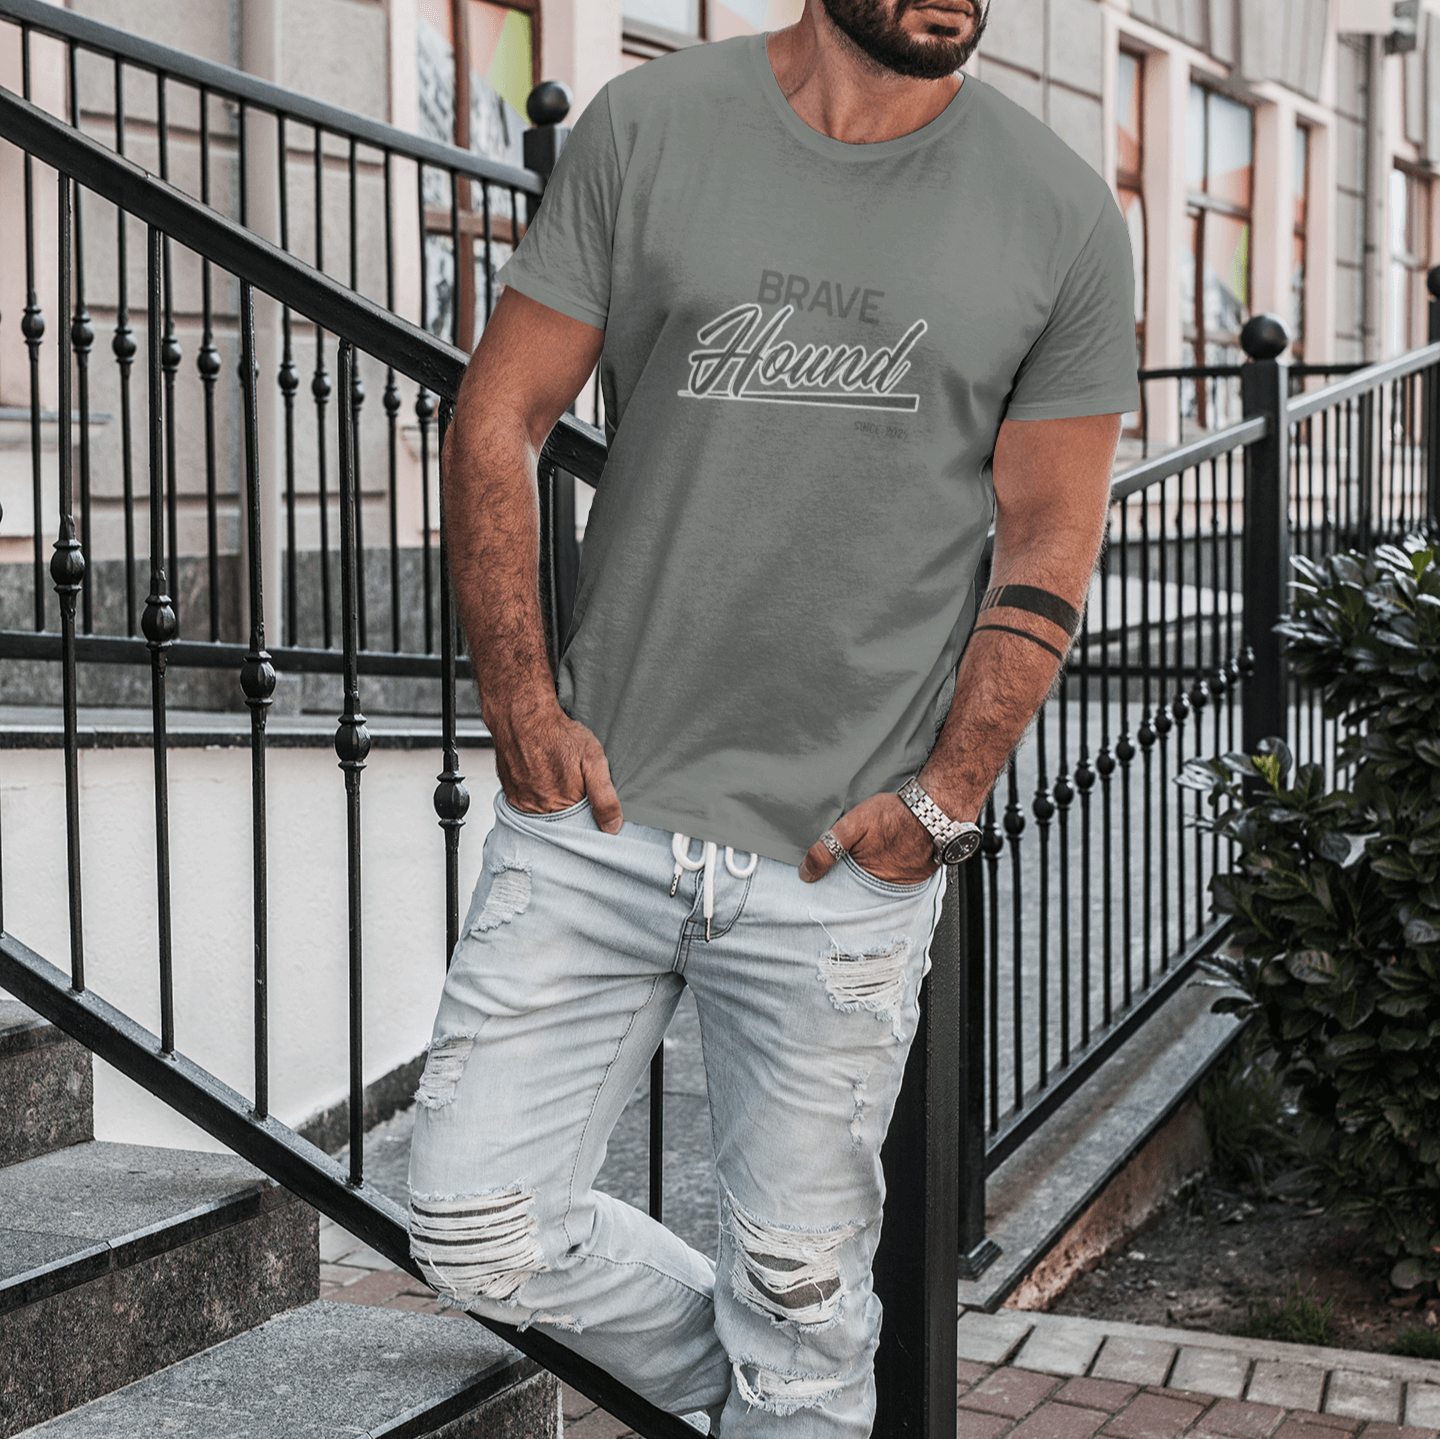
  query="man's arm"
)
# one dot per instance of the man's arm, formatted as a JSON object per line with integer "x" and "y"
{"x": 527, "y": 369}
{"x": 1052, "y": 491}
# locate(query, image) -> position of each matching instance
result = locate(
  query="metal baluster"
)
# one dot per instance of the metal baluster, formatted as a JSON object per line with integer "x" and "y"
{"x": 257, "y": 682}
{"x": 82, "y": 337}
{"x": 1147, "y": 736}
{"x": 170, "y": 355}
{"x": 1044, "y": 810}
{"x": 1084, "y": 783}
{"x": 1232, "y": 659}
{"x": 1180, "y": 707}
{"x": 456, "y": 288}
{"x": 1199, "y": 690}
{"x": 489, "y": 254}
{"x": 352, "y": 745}
{"x": 67, "y": 571}
{"x": 1125, "y": 755}
{"x": 207, "y": 363}
{"x": 243, "y": 145}
{"x": 392, "y": 420}
{"x": 1163, "y": 725}
{"x": 356, "y": 400}
{"x": 288, "y": 380}
{"x": 657, "y": 1134}
{"x": 1064, "y": 796}
{"x": 1014, "y": 828}
{"x": 32, "y": 327}
{"x": 990, "y": 846}
{"x": 424, "y": 411}
{"x": 160, "y": 626}
{"x": 123, "y": 346}
{"x": 1105, "y": 768}
{"x": 452, "y": 799}
{"x": 1219, "y": 680}
{"x": 320, "y": 391}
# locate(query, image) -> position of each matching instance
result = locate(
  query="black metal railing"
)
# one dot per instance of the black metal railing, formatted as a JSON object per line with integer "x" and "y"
{"x": 1091, "y": 898}
{"x": 916, "y": 1268}
{"x": 383, "y": 211}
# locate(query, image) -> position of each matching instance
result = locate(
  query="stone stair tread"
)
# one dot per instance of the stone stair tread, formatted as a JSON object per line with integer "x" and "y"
{"x": 21, "y": 1028}
{"x": 76, "y": 1212}
{"x": 324, "y": 1369}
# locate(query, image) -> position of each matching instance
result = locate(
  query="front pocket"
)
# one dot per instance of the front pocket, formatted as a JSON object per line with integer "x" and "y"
{"x": 581, "y": 806}
{"x": 884, "y": 886}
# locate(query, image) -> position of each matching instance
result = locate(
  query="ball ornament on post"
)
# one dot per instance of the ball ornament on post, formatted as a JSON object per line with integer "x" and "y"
{"x": 1264, "y": 337}
{"x": 549, "y": 103}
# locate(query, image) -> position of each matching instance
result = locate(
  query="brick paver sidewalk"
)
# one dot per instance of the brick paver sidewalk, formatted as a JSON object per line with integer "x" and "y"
{"x": 1051, "y": 1378}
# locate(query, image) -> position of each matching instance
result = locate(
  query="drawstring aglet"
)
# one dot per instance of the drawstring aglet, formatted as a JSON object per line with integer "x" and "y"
{"x": 707, "y": 929}
{"x": 675, "y": 883}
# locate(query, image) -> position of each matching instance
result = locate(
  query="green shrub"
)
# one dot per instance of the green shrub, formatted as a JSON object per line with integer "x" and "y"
{"x": 1336, "y": 898}
{"x": 1246, "y": 1118}
{"x": 1418, "y": 1342}
{"x": 1298, "y": 1318}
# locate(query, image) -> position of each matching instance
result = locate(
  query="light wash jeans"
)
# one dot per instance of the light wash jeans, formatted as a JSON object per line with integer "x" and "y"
{"x": 567, "y": 972}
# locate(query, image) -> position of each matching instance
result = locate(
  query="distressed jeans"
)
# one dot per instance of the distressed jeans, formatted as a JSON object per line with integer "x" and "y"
{"x": 569, "y": 966}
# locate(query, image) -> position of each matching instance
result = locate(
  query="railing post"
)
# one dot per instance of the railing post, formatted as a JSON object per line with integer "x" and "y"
{"x": 1264, "y": 390}
{"x": 1432, "y": 406}
{"x": 915, "y": 1267}
{"x": 976, "y": 1252}
{"x": 548, "y": 105}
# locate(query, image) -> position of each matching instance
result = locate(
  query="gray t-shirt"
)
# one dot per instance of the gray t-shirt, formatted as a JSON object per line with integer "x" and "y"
{"x": 809, "y": 348}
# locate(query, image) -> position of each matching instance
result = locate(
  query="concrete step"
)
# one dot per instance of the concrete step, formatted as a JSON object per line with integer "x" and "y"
{"x": 335, "y": 1369}
{"x": 46, "y": 1091}
{"x": 118, "y": 1259}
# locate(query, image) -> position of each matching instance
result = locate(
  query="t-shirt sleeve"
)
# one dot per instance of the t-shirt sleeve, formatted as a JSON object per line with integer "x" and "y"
{"x": 1084, "y": 361}
{"x": 563, "y": 259}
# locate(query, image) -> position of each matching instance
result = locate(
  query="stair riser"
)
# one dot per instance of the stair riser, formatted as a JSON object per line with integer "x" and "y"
{"x": 46, "y": 1094}
{"x": 86, "y": 1341}
{"x": 528, "y": 1410}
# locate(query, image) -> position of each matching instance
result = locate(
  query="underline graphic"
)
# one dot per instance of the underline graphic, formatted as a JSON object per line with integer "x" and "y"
{"x": 909, "y": 403}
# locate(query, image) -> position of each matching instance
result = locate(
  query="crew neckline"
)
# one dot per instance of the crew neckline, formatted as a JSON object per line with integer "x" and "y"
{"x": 853, "y": 151}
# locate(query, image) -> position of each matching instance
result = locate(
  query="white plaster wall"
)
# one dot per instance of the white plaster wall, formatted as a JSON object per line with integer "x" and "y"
{"x": 403, "y": 880}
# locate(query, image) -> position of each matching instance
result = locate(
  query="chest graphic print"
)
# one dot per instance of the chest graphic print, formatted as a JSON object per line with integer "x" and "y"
{"x": 744, "y": 354}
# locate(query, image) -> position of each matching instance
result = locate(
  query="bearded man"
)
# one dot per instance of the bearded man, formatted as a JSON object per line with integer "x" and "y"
{"x": 849, "y": 308}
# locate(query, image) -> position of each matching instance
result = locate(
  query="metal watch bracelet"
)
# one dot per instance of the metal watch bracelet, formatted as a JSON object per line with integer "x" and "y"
{"x": 955, "y": 840}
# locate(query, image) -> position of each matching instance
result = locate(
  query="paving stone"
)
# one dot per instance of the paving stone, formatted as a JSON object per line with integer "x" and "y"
{"x": 1059, "y": 1348}
{"x": 1311, "y": 1426}
{"x": 1059, "y": 1421}
{"x": 1011, "y": 1392}
{"x": 1212, "y": 1371}
{"x": 363, "y": 1257}
{"x": 1291, "y": 1386}
{"x": 1396, "y": 1431}
{"x": 969, "y": 1424}
{"x": 968, "y": 1372}
{"x": 991, "y": 1338}
{"x": 1238, "y": 1420}
{"x": 1358, "y": 1395}
{"x": 374, "y": 1288}
{"x": 1135, "y": 1361}
{"x": 1154, "y": 1416}
{"x": 1422, "y": 1405}
{"x": 335, "y": 1243}
{"x": 1107, "y": 1394}
{"x": 340, "y": 1274}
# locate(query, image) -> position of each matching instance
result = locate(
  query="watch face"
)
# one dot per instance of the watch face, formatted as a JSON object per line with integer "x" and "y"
{"x": 959, "y": 848}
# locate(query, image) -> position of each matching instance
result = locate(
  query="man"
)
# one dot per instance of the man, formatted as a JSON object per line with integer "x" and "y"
{"x": 848, "y": 310}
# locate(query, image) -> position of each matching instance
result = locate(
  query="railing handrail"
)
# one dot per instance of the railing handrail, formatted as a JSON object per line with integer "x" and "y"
{"x": 95, "y": 35}
{"x": 1370, "y": 378}
{"x": 1183, "y": 457}
{"x": 371, "y": 328}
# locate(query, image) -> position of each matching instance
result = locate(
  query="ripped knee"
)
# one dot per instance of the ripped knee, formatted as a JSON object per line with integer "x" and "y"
{"x": 476, "y": 1246}
{"x": 792, "y": 1276}
{"x": 782, "y": 1394}
{"x": 443, "y": 1067}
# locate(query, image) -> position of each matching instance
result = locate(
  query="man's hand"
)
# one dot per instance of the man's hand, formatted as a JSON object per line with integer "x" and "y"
{"x": 883, "y": 838}
{"x": 547, "y": 761}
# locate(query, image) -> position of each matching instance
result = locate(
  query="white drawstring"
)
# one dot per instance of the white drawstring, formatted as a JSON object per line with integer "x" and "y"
{"x": 709, "y": 853}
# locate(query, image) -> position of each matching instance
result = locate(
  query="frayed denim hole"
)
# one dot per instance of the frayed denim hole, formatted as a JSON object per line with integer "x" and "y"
{"x": 477, "y": 1246}
{"x": 443, "y": 1068}
{"x": 792, "y": 1276}
{"x": 782, "y": 1394}
{"x": 509, "y": 896}
{"x": 873, "y": 981}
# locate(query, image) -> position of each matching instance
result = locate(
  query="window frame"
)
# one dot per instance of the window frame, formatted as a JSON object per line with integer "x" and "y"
{"x": 642, "y": 40}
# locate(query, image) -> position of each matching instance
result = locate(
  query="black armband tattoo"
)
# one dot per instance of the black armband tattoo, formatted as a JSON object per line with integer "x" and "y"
{"x": 1024, "y": 635}
{"x": 1039, "y": 602}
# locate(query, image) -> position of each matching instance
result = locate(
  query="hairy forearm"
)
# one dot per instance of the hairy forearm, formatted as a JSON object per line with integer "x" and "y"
{"x": 493, "y": 525}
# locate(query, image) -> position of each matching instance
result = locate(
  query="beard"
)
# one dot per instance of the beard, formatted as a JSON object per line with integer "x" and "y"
{"x": 879, "y": 36}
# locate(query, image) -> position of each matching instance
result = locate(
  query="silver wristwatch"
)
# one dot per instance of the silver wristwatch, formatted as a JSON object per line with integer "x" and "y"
{"x": 955, "y": 839}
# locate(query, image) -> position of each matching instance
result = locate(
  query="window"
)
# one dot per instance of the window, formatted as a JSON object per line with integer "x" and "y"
{"x": 1409, "y": 258}
{"x": 1129, "y": 185}
{"x": 1215, "y": 276}
{"x": 1300, "y": 187}
{"x": 655, "y": 27}
{"x": 497, "y": 47}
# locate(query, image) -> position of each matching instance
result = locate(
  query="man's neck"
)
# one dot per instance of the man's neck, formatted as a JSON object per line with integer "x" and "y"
{"x": 838, "y": 90}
